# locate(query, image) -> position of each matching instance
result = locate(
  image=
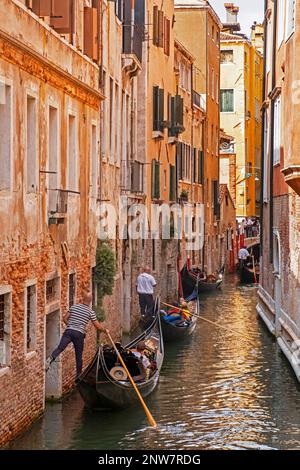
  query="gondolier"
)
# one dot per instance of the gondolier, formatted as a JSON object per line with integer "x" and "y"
{"x": 76, "y": 320}
{"x": 145, "y": 288}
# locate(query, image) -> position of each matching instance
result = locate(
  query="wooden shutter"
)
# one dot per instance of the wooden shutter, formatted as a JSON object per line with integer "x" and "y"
{"x": 178, "y": 161}
{"x": 155, "y": 108}
{"x": 61, "y": 17}
{"x": 90, "y": 46}
{"x": 161, "y": 108}
{"x": 136, "y": 177}
{"x": 167, "y": 37}
{"x": 157, "y": 180}
{"x": 40, "y": 7}
{"x": 155, "y": 25}
{"x": 201, "y": 167}
{"x": 195, "y": 165}
{"x": 155, "y": 188}
{"x": 178, "y": 112}
{"x": 172, "y": 183}
{"x": 160, "y": 28}
{"x": 183, "y": 161}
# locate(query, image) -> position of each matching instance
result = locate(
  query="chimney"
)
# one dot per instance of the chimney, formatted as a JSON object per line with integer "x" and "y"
{"x": 232, "y": 13}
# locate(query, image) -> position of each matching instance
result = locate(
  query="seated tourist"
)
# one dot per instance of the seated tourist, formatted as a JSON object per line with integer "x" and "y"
{"x": 143, "y": 361}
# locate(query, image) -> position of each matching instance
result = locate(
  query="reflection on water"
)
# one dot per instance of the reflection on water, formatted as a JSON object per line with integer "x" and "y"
{"x": 216, "y": 391}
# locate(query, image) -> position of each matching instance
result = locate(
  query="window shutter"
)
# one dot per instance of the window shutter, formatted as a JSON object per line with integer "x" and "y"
{"x": 127, "y": 27}
{"x": 157, "y": 180}
{"x": 136, "y": 177}
{"x": 161, "y": 109}
{"x": 40, "y": 7}
{"x": 155, "y": 108}
{"x": 178, "y": 161}
{"x": 160, "y": 28}
{"x": 61, "y": 16}
{"x": 172, "y": 183}
{"x": 195, "y": 165}
{"x": 201, "y": 167}
{"x": 155, "y": 25}
{"x": 178, "y": 112}
{"x": 167, "y": 37}
{"x": 91, "y": 32}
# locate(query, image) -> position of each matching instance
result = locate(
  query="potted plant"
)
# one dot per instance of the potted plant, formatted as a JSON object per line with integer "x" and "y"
{"x": 184, "y": 196}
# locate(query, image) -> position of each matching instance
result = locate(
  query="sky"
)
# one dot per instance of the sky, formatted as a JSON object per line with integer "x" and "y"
{"x": 250, "y": 11}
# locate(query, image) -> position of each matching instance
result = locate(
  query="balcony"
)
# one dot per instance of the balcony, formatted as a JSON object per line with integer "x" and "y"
{"x": 133, "y": 37}
{"x": 199, "y": 101}
{"x": 292, "y": 177}
{"x": 59, "y": 213}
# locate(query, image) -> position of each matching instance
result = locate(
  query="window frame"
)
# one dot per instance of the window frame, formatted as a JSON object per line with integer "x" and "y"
{"x": 233, "y": 95}
{"x": 28, "y": 284}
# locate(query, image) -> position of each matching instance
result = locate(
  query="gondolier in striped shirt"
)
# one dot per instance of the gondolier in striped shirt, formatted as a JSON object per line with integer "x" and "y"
{"x": 76, "y": 319}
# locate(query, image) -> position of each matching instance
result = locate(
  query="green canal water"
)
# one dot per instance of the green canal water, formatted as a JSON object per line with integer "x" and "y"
{"x": 216, "y": 391}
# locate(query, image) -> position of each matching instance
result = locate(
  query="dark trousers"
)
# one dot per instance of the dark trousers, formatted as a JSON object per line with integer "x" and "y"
{"x": 146, "y": 304}
{"x": 75, "y": 337}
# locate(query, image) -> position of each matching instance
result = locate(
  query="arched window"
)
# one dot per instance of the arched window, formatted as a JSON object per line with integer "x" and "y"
{"x": 277, "y": 253}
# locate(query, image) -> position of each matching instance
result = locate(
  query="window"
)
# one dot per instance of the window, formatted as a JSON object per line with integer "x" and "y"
{"x": 119, "y": 9}
{"x": 103, "y": 120}
{"x": 213, "y": 84}
{"x": 277, "y": 130}
{"x": 227, "y": 56}
{"x": 280, "y": 22}
{"x": 72, "y": 153}
{"x": 257, "y": 110}
{"x": 30, "y": 317}
{"x": 5, "y": 137}
{"x": 94, "y": 161}
{"x": 72, "y": 289}
{"x": 155, "y": 179}
{"x": 179, "y": 161}
{"x": 158, "y": 109}
{"x": 217, "y": 89}
{"x": 194, "y": 165}
{"x": 53, "y": 158}
{"x": 5, "y": 325}
{"x": 52, "y": 290}
{"x": 227, "y": 101}
{"x": 290, "y": 17}
{"x": 31, "y": 145}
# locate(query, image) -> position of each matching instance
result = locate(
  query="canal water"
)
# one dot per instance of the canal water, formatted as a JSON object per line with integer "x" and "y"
{"x": 216, "y": 391}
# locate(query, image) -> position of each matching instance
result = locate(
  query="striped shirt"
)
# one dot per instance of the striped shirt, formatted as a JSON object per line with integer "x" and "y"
{"x": 80, "y": 315}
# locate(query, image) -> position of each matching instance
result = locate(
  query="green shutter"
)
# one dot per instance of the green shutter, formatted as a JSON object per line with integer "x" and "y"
{"x": 172, "y": 183}
{"x": 155, "y": 108}
{"x": 161, "y": 109}
{"x": 153, "y": 167}
{"x": 157, "y": 180}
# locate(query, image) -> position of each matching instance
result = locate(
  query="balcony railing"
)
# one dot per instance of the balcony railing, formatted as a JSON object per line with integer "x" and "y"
{"x": 198, "y": 100}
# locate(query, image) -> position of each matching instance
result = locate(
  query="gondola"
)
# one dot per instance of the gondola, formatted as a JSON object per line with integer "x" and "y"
{"x": 246, "y": 270}
{"x": 102, "y": 388}
{"x": 190, "y": 282}
{"x": 247, "y": 275}
{"x": 180, "y": 330}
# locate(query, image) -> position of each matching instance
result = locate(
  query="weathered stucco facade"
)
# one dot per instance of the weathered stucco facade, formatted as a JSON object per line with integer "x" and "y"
{"x": 197, "y": 27}
{"x": 279, "y": 283}
{"x": 49, "y": 106}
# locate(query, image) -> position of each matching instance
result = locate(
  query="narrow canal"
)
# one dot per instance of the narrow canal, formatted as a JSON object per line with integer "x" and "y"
{"x": 216, "y": 391}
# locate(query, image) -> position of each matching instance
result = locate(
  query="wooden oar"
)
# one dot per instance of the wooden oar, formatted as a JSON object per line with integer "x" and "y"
{"x": 150, "y": 418}
{"x": 209, "y": 321}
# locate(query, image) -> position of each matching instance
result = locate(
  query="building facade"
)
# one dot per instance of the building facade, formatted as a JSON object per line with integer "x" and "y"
{"x": 241, "y": 100}
{"x": 279, "y": 282}
{"x": 197, "y": 27}
{"x": 49, "y": 153}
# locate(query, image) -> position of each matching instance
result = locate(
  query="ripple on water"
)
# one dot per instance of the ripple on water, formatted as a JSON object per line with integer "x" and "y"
{"x": 216, "y": 391}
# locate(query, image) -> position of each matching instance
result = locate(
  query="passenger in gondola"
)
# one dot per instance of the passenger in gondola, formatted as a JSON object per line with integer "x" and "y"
{"x": 143, "y": 361}
{"x": 178, "y": 314}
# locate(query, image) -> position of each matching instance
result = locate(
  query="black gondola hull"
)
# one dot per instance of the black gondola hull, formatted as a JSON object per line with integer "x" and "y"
{"x": 174, "y": 333}
{"x": 247, "y": 276}
{"x": 190, "y": 283}
{"x": 100, "y": 391}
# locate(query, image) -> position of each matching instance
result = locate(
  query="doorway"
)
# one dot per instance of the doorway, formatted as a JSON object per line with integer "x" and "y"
{"x": 53, "y": 385}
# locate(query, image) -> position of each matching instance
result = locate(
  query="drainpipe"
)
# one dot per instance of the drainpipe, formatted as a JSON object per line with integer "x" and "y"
{"x": 272, "y": 133}
{"x": 262, "y": 163}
